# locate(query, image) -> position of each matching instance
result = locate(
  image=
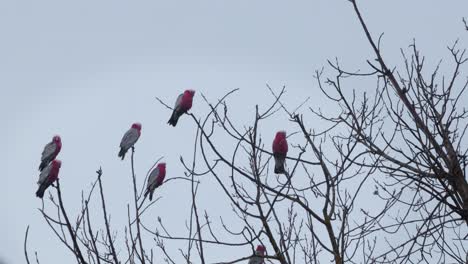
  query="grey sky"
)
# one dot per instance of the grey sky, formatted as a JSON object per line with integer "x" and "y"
{"x": 87, "y": 69}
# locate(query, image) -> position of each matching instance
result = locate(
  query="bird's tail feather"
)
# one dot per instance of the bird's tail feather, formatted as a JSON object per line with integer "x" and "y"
{"x": 174, "y": 118}
{"x": 41, "y": 190}
{"x": 279, "y": 165}
{"x": 150, "y": 191}
{"x": 43, "y": 165}
{"x": 122, "y": 153}
{"x": 150, "y": 194}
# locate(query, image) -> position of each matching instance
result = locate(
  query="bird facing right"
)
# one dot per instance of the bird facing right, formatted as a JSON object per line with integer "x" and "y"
{"x": 129, "y": 139}
{"x": 48, "y": 176}
{"x": 182, "y": 105}
{"x": 50, "y": 152}
{"x": 155, "y": 179}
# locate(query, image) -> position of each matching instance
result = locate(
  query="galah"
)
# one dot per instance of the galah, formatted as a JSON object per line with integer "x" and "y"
{"x": 258, "y": 258}
{"x": 50, "y": 152}
{"x": 280, "y": 149}
{"x": 129, "y": 139}
{"x": 48, "y": 176}
{"x": 182, "y": 105}
{"x": 155, "y": 179}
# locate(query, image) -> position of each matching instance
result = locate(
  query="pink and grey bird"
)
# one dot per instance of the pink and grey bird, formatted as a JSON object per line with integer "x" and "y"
{"x": 280, "y": 149}
{"x": 155, "y": 179}
{"x": 50, "y": 152}
{"x": 182, "y": 105}
{"x": 129, "y": 139}
{"x": 48, "y": 176}
{"x": 258, "y": 258}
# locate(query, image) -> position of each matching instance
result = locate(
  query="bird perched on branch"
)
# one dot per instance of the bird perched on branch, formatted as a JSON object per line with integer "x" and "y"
{"x": 129, "y": 139}
{"x": 182, "y": 105}
{"x": 50, "y": 152}
{"x": 258, "y": 258}
{"x": 48, "y": 176}
{"x": 155, "y": 179}
{"x": 280, "y": 149}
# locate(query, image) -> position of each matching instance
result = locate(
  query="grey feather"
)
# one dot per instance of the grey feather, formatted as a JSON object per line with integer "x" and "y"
{"x": 153, "y": 176}
{"x": 177, "y": 112}
{"x": 129, "y": 139}
{"x": 48, "y": 151}
{"x": 279, "y": 163}
{"x": 44, "y": 174}
{"x": 178, "y": 101}
{"x": 48, "y": 154}
{"x": 151, "y": 185}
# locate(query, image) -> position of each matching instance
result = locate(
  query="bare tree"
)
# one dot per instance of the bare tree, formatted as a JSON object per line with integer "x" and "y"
{"x": 412, "y": 130}
{"x": 384, "y": 182}
{"x": 90, "y": 244}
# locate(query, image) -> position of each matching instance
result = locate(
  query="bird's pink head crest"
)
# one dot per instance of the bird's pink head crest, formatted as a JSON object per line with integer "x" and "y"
{"x": 56, "y": 139}
{"x": 261, "y": 250}
{"x": 190, "y": 93}
{"x": 137, "y": 126}
{"x": 281, "y": 134}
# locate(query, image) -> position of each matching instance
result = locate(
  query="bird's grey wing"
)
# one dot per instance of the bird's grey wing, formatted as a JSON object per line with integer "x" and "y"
{"x": 130, "y": 137}
{"x": 178, "y": 101}
{"x": 44, "y": 174}
{"x": 152, "y": 177}
{"x": 48, "y": 151}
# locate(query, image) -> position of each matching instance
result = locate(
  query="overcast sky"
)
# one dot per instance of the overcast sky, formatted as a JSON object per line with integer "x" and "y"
{"x": 87, "y": 69}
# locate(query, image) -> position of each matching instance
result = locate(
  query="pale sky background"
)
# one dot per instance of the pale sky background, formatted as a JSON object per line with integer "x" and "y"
{"x": 87, "y": 69}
